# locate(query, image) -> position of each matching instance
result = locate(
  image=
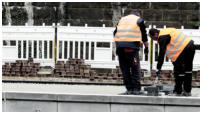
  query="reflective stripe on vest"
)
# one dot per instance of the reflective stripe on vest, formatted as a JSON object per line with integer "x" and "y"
{"x": 177, "y": 43}
{"x": 128, "y": 30}
{"x": 174, "y": 52}
{"x": 173, "y": 44}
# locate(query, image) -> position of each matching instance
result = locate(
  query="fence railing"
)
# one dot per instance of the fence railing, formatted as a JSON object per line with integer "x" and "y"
{"x": 22, "y": 42}
{"x": 94, "y": 44}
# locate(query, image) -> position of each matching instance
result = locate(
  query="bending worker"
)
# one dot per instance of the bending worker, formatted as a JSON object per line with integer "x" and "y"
{"x": 180, "y": 49}
{"x": 128, "y": 35}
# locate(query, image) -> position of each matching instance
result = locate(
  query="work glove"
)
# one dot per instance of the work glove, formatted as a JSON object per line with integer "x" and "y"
{"x": 146, "y": 50}
{"x": 158, "y": 72}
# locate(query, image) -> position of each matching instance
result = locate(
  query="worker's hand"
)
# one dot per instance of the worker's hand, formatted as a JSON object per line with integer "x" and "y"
{"x": 146, "y": 50}
{"x": 158, "y": 72}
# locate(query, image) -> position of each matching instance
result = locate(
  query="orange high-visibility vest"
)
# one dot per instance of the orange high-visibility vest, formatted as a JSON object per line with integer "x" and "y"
{"x": 128, "y": 30}
{"x": 177, "y": 43}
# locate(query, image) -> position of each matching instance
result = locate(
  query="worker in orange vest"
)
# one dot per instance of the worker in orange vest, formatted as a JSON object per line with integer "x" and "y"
{"x": 128, "y": 37}
{"x": 180, "y": 49}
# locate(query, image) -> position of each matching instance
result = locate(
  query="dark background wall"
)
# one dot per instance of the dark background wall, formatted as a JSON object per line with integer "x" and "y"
{"x": 172, "y": 14}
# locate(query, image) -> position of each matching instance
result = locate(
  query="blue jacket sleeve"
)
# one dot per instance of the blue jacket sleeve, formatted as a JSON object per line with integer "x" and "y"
{"x": 142, "y": 26}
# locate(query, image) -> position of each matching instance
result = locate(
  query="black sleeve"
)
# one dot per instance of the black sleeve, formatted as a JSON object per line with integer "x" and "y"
{"x": 143, "y": 30}
{"x": 163, "y": 42}
{"x": 115, "y": 31}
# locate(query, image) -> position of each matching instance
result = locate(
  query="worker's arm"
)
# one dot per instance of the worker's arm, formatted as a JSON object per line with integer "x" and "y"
{"x": 163, "y": 42}
{"x": 143, "y": 31}
{"x": 115, "y": 31}
{"x": 142, "y": 26}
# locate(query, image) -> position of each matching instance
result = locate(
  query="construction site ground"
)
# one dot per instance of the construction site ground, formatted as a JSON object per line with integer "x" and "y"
{"x": 72, "y": 88}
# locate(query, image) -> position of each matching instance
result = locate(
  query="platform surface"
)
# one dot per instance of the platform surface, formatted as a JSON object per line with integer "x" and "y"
{"x": 75, "y": 89}
{"x": 29, "y": 97}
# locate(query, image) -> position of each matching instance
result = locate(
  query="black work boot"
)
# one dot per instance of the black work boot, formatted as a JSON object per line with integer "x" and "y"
{"x": 138, "y": 92}
{"x": 174, "y": 93}
{"x": 128, "y": 92}
{"x": 186, "y": 93}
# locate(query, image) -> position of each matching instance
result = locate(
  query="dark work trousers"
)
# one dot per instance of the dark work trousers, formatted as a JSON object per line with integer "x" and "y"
{"x": 130, "y": 66}
{"x": 183, "y": 69}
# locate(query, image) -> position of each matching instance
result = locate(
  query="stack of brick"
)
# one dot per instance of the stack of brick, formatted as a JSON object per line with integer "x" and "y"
{"x": 6, "y": 69}
{"x": 77, "y": 69}
{"x": 21, "y": 68}
{"x": 73, "y": 68}
{"x": 196, "y": 78}
{"x": 115, "y": 76}
{"x": 165, "y": 77}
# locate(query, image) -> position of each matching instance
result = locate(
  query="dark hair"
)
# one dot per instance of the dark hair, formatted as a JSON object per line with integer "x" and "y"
{"x": 153, "y": 31}
{"x": 138, "y": 12}
{"x": 131, "y": 11}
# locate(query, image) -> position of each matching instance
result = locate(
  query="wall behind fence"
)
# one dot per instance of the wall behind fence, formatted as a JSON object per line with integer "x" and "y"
{"x": 95, "y": 14}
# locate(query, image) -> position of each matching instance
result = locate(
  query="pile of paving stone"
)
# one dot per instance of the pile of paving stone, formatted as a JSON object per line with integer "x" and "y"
{"x": 77, "y": 69}
{"x": 166, "y": 77}
{"x": 196, "y": 78}
{"x": 21, "y": 68}
{"x": 73, "y": 68}
{"x": 114, "y": 76}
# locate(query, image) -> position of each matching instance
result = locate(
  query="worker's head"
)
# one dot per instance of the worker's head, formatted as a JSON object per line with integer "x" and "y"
{"x": 154, "y": 34}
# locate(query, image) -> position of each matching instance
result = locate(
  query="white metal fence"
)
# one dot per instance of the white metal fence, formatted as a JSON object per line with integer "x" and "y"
{"x": 94, "y": 44}
{"x": 22, "y": 42}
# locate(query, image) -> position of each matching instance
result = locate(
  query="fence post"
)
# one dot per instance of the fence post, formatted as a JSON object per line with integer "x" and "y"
{"x": 68, "y": 24}
{"x": 150, "y": 51}
{"x": 182, "y": 27}
{"x": 103, "y": 25}
{"x": 55, "y": 42}
{"x": 86, "y": 25}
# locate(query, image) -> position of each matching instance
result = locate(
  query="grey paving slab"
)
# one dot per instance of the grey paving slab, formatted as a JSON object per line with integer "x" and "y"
{"x": 30, "y": 106}
{"x": 181, "y": 109}
{"x": 30, "y": 96}
{"x": 137, "y": 99}
{"x": 83, "y": 98}
{"x": 136, "y": 108}
{"x": 83, "y": 107}
{"x": 182, "y": 101}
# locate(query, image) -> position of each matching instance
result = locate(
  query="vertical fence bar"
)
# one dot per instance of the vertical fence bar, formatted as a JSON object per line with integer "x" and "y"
{"x": 17, "y": 49}
{"x": 63, "y": 43}
{"x": 79, "y": 49}
{"x": 111, "y": 47}
{"x": 48, "y": 49}
{"x": 143, "y": 54}
{"x": 68, "y": 49}
{"x": 37, "y": 50}
{"x": 26, "y": 54}
{"x": 58, "y": 46}
{"x": 22, "y": 49}
{"x": 32, "y": 46}
{"x": 73, "y": 50}
{"x": 43, "y": 51}
{"x": 89, "y": 51}
{"x": 84, "y": 49}
{"x": 95, "y": 43}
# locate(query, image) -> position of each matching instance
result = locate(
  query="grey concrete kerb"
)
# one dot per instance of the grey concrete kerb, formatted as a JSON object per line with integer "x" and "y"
{"x": 120, "y": 99}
